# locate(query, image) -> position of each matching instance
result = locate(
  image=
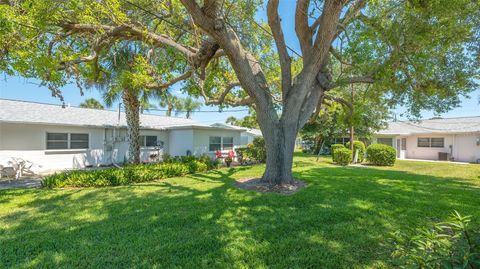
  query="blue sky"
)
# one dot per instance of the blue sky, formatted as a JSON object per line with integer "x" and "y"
{"x": 29, "y": 90}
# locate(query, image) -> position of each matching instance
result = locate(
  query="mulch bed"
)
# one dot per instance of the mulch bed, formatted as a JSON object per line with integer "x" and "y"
{"x": 255, "y": 184}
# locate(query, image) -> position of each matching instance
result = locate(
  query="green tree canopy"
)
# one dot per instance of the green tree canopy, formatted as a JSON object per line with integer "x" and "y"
{"x": 91, "y": 103}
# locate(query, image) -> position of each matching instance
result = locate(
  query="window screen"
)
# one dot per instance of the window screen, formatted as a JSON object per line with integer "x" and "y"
{"x": 150, "y": 141}
{"x": 79, "y": 141}
{"x": 227, "y": 143}
{"x": 423, "y": 142}
{"x": 215, "y": 143}
{"x": 437, "y": 142}
{"x": 57, "y": 141}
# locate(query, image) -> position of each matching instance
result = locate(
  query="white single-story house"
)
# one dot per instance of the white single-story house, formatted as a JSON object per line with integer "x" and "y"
{"x": 55, "y": 137}
{"x": 454, "y": 139}
{"x": 247, "y": 135}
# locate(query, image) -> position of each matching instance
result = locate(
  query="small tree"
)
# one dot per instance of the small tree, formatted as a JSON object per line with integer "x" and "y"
{"x": 91, "y": 103}
{"x": 188, "y": 106}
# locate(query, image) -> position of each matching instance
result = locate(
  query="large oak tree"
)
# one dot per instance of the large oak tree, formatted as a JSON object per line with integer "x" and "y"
{"x": 423, "y": 54}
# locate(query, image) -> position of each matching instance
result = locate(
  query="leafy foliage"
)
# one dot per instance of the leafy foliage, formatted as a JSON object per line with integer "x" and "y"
{"x": 360, "y": 147}
{"x": 380, "y": 154}
{"x": 449, "y": 244}
{"x": 334, "y": 147}
{"x": 130, "y": 173}
{"x": 249, "y": 121}
{"x": 343, "y": 156}
{"x": 187, "y": 105}
{"x": 91, "y": 103}
{"x": 256, "y": 151}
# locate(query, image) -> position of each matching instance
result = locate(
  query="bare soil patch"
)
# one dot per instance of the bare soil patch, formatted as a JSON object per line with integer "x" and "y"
{"x": 255, "y": 184}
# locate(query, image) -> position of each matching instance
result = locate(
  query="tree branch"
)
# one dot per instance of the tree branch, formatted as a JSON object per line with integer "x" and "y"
{"x": 367, "y": 79}
{"x": 301, "y": 27}
{"x": 341, "y": 101}
{"x": 163, "y": 86}
{"x": 131, "y": 32}
{"x": 222, "y": 98}
{"x": 285, "y": 60}
{"x": 352, "y": 13}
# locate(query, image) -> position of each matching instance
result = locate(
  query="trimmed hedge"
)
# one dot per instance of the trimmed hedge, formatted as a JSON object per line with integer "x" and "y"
{"x": 130, "y": 173}
{"x": 382, "y": 155}
{"x": 334, "y": 147}
{"x": 360, "y": 147}
{"x": 343, "y": 156}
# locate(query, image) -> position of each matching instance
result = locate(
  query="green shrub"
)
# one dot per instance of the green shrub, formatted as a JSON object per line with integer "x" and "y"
{"x": 256, "y": 151}
{"x": 380, "y": 154}
{"x": 196, "y": 166}
{"x": 124, "y": 176}
{"x": 343, "y": 156}
{"x": 210, "y": 162}
{"x": 360, "y": 147}
{"x": 334, "y": 147}
{"x": 450, "y": 244}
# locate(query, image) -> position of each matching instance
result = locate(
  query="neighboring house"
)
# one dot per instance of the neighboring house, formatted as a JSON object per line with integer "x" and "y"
{"x": 247, "y": 135}
{"x": 455, "y": 139}
{"x": 59, "y": 138}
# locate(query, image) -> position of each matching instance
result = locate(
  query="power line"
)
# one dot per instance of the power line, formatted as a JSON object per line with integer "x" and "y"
{"x": 198, "y": 111}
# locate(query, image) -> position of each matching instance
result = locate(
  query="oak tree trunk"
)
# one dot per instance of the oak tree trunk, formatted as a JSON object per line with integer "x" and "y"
{"x": 280, "y": 145}
{"x": 132, "y": 108}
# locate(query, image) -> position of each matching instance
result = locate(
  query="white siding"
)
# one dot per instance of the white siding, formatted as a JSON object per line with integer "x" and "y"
{"x": 180, "y": 142}
{"x": 202, "y": 140}
{"x": 415, "y": 152}
{"x": 28, "y": 141}
{"x": 464, "y": 147}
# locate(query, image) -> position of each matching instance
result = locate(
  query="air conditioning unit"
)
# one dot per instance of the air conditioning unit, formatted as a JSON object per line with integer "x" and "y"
{"x": 443, "y": 156}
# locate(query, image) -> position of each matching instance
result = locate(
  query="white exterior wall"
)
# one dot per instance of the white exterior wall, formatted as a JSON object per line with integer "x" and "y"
{"x": 415, "y": 152}
{"x": 464, "y": 147}
{"x": 118, "y": 152}
{"x": 28, "y": 141}
{"x": 180, "y": 141}
{"x": 246, "y": 139}
{"x": 201, "y": 140}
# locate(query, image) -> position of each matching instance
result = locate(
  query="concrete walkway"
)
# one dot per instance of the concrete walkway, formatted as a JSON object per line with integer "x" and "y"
{"x": 20, "y": 184}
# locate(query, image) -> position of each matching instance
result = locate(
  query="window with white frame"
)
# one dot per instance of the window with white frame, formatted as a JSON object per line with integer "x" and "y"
{"x": 220, "y": 143}
{"x": 148, "y": 141}
{"x": 431, "y": 142}
{"x": 215, "y": 143}
{"x": 227, "y": 143}
{"x": 423, "y": 142}
{"x": 67, "y": 141}
{"x": 437, "y": 142}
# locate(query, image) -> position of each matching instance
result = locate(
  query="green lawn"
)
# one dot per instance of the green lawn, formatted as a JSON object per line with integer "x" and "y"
{"x": 341, "y": 220}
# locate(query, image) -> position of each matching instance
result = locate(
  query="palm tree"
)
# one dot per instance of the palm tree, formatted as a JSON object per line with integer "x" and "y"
{"x": 120, "y": 81}
{"x": 91, "y": 103}
{"x": 170, "y": 102}
{"x": 189, "y": 106}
